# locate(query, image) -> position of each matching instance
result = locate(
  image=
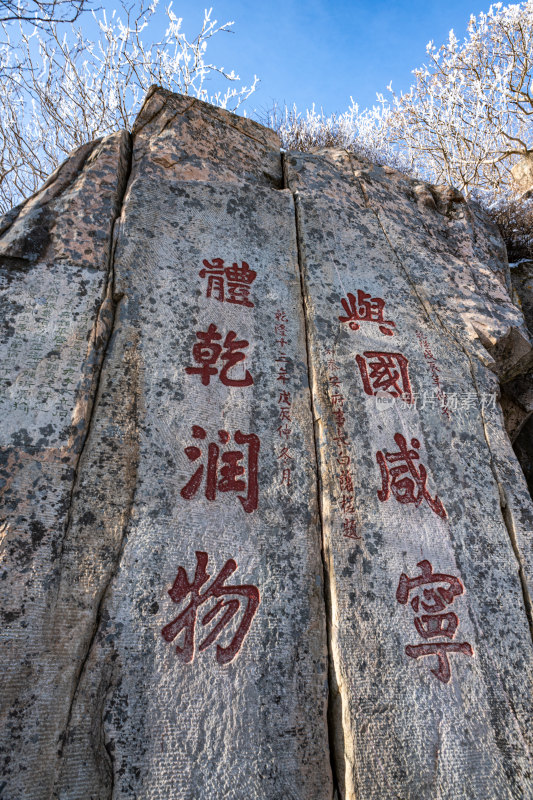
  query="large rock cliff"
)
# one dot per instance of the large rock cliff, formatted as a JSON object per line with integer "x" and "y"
{"x": 264, "y": 533}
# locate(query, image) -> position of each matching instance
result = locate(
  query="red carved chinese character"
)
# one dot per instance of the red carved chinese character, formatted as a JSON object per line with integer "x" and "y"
{"x": 340, "y": 419}
{"x": 406, "y": 489}
{"x": 281, "y": 316}
{"x": 350, "y": 529}
{"x": 285, "y": 413}
{"x": 186, "y": 621}
{"x": 435, "y": 599}
{"x": 239, "y": 281}
{"x": 284, "y": 454}
{"x": 389, "y": 372}
{"x": 341, "y": 439}
{"x": 441, "y": 650}
{"x": 347, "y": 504}
{"x": 365, "y": 309}
{"x": 286, "y": 476}
{"x": 282, "y": 375}
{"x": 285, "y": 397}
{"x": 215, "y": 278}
{"x": 345, "y": 481}
{"x": 207, "y": 352}
{"x": 284, "y": 431}
{"x": 231, "y": 474}
{"x": 434, "y": 624}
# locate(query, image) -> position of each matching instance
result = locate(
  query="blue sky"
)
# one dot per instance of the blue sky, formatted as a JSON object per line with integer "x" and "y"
{"x": 323, "y": 51}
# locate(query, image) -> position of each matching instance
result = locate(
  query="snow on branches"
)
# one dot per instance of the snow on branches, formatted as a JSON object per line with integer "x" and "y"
{"x": 468, "y": 118}
{"x": 63, "y": 87}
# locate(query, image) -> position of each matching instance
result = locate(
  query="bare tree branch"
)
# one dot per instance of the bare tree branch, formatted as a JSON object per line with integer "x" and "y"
{"x": 470, "y": 109}
{"x": 60, "y": 89}
{"x": 41, "y": 13}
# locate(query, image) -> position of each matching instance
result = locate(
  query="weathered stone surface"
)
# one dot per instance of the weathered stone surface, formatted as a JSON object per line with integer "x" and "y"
{"x": 160, "y": 455}
{"x": 522, "y": 282}
{"x": 517, "y": 397}
{"x": 175, "y": 142}
{"x": 400, "y": 729}
{"x": 522, "y": 173}
{"x": 57, "y": 311}
{"x": 144, "y": 722}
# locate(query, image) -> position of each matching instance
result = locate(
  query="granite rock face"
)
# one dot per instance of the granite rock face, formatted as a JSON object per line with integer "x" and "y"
{"x": 55, "y": 258}
{"x": 522, "y": 173}
{"x": 418, "y": 478}
{"x": 264, "y": 532}
{"x": 518, "y": 395}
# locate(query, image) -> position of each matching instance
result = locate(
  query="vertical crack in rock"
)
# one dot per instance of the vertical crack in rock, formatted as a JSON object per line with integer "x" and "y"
{"x": 95, "y": 673}
{"x": 337, "y": 717}
{"x": 99, "y": 344}
{"x": 504, "y": 505}
{"x": 57, "y": 259}
{"x": 505, "y": 509}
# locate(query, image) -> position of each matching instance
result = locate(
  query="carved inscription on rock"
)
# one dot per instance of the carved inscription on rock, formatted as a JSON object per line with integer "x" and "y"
{"x": 187, "y": 620}
{"x": 232, "y": 476}
{"x": 385, "y": 373}
{"x": 208, "y": 351}
{"x": 365, "y": 308}
{"x": 404, "y": 478}
{"x": 433, "y": 624}
{"x": 284, "y": 430}
{"x": 228, "y": 284}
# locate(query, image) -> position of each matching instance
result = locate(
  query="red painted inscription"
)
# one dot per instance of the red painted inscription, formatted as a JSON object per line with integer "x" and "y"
{"x": 228, "y": 284}
{"x": 406, "y": 480}
{"x": 434, "y": 624}
{"x": 284, "y": 429}
{"x": 385, "y": 373}
{"x": 187, "y": 619}
{"x": 207, "y": 351}
{"x": 440, "y": 394}
{"x": 366, "y": 309}
{"x": 233, "y": 476}
{"x": 344, "y": 475}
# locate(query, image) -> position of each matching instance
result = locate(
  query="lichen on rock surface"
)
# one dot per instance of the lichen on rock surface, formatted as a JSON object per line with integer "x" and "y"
{"x": 260, "y": 501}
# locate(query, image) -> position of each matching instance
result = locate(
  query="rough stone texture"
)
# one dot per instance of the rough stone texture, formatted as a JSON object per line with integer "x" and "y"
{"x": 399, "y": 730}
{"x": 523, "y": 175}
{"x": 107, "y": 272}
{"x": 517, "y": 398}
{"x": 54, "y": 262}
{"x": 144, "y": 723}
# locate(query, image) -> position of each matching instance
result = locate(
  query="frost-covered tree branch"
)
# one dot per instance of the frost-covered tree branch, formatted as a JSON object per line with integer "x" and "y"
{"x": 41, "y": 13}
{"x": 469, "y": 116}
{"x": 62, "y": 89}
{"x": 466, "y": 121}
{"x": 366, "y": 133}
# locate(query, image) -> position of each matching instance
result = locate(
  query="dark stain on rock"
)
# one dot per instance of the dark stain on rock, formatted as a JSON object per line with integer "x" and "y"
{"x": 37, "y": 531}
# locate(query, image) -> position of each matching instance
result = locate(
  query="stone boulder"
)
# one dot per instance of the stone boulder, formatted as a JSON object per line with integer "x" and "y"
{"x": 522, "y": 174}
{"x": 264, "y": 532}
